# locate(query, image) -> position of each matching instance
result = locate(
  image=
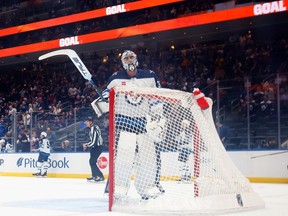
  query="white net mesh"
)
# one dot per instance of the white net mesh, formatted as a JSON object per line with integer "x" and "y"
{"x": 167, "y": 156}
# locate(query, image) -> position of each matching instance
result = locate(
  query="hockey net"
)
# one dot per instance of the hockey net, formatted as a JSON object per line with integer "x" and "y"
{"x": 166, "y": 156}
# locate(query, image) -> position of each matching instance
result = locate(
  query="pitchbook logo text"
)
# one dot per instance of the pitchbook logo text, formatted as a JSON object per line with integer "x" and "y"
{"x": 32, "y": 163}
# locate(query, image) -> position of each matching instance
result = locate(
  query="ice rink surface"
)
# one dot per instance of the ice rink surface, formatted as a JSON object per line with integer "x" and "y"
{"x": 76, "y": 197}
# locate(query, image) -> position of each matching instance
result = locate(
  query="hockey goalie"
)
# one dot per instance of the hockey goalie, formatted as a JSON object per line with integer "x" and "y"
{"x": 137, "y": 134}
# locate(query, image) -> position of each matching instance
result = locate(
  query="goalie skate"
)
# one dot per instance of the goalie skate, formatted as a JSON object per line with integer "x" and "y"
{"x": 152, "y": 193}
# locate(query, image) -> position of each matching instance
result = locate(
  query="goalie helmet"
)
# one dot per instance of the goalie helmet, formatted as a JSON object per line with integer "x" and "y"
{"x": 129, "y": 60}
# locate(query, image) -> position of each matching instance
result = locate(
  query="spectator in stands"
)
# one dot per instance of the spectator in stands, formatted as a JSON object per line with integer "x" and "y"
{"x": 12, "y": 111}
{"x": 23, "y": 144}
{"x": 3, "y": 129}
{"x": 34, "y": 144}
{"x": 57, "y": 109}
{"x": 284, "y": 144}
{"x": 199, "y": 57}
{"x": 66, "y": 146}
{"x": 30, "y": 109}
{"x": 26, "y": 117}
{"x": 41, "y": 104}
{"x": 72, "y": 92}
{"x": 268, "y": 144}
{"x": 51, "y": 136}
{"x": 266, "y": 107}
{"x": 41, "y": 125}
{"x": 59, "y": 122}
{"x": 222, "y": 131}
{"x": 26, "y": 141}
{"x": 258, "y": 95}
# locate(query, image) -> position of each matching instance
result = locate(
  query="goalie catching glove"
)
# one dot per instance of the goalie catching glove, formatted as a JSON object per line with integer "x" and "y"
{"x": 101, "y": 107}
{"x": 156, "y": 121}
{"x": 155, "y": 128}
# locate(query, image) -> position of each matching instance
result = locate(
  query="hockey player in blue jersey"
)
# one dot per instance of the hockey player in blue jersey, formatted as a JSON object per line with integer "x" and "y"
{"x": 134, "y": 76}
{"x": 44, "y": 154}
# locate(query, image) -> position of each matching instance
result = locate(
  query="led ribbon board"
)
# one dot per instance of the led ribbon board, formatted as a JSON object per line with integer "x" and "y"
{"x": 183, "y": 22}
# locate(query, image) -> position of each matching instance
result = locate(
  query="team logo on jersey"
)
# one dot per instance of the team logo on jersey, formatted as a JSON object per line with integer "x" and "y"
{"x": 133, "y": 99}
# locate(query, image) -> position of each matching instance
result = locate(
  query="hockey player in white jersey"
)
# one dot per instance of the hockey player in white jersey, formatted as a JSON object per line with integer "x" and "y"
{"x": 44, "y": 154}
{"x": 146, "y": 186}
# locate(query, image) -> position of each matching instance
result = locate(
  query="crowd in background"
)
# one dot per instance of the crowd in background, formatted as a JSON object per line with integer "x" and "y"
{"x": 32, "y": 13}
{"x": 55, "y": 91}
{"x": 47, "y": 87}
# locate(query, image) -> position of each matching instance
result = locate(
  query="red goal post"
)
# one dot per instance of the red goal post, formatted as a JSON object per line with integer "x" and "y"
{"x": 196, "y": 172}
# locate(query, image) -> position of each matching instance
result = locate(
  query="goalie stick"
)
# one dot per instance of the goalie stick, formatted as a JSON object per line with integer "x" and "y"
{"x": 258, "y": 156}
{"x": 77, "y": 62}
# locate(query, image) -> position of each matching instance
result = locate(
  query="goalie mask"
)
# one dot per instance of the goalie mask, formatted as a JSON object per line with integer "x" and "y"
{"x": 129, "y": 60}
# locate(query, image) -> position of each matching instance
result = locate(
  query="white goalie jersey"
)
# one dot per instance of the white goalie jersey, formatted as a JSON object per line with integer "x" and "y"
{"x": 144, "y": 78}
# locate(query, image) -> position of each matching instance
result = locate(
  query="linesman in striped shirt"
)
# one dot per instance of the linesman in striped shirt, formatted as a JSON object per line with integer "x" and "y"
{"x": 95, "y": 146}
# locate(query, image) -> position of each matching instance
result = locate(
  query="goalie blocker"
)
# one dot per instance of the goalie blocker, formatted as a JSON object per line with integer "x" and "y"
{"x": 101, "y": 104}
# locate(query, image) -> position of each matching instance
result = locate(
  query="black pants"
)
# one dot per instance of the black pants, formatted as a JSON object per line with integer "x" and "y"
{"x": 95, "y": 152}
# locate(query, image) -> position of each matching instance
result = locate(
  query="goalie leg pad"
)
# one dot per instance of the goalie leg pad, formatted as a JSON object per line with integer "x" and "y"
{"x": 146, "y": 168}
{"x": 125, "y": 152}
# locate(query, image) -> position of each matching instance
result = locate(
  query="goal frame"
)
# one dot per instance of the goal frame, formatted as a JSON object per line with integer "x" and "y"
{"x": 197, "y": 158}
{"x": 111, "y": 147}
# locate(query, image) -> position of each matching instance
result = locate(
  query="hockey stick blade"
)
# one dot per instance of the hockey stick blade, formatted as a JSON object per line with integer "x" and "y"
{"x": 74, "y": 58}
{"x": 77, "y": 62}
